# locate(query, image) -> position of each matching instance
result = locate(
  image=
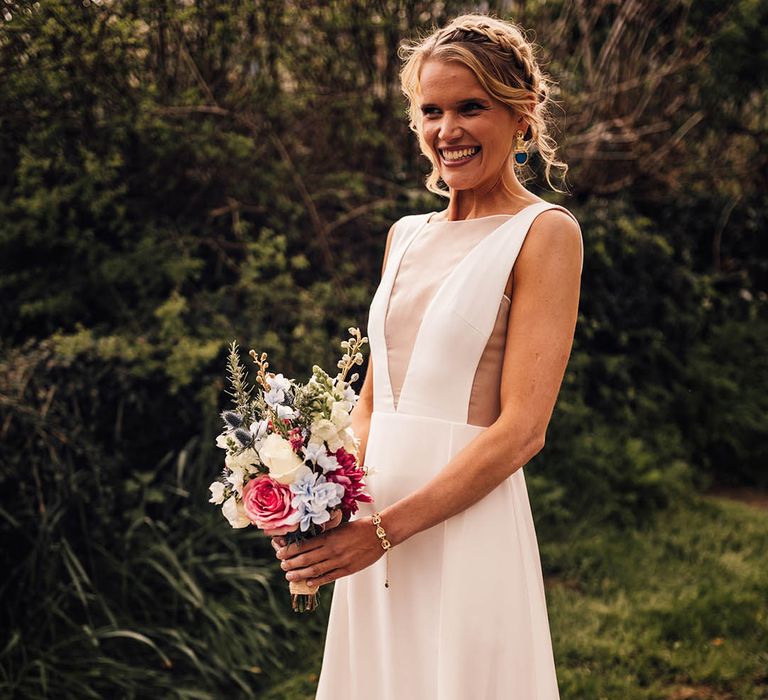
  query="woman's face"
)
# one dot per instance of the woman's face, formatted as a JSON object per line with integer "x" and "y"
{"x": 469, "y": 133}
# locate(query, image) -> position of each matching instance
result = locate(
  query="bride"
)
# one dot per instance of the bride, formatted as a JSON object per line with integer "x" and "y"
{"x": 439, "y": 591}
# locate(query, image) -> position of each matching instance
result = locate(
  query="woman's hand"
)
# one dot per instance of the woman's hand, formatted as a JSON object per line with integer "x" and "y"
{"x": 327, "y": 557}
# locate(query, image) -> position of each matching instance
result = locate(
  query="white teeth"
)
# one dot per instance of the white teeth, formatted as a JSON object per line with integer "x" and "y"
{"x": 458, "y": 155}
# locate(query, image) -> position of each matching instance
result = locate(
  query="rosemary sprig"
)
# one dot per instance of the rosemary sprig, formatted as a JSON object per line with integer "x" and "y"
{"x": 238, "y": 378}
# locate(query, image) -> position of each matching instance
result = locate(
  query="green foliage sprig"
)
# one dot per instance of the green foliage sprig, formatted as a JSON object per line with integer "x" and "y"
{"x": 238, "y": 379}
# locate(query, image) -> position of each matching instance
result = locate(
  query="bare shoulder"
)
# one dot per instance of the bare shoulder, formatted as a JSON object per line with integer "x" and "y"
{"x": 554, "y": 240}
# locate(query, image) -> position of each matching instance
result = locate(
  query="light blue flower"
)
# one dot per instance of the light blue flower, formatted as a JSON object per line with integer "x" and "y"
{"x": 259, "y": 429}
{"x": 278, "y": 387}
{"x": 313, "y": 498}
{"x": 319, "y": 455}
{"x": 286, "y": 412}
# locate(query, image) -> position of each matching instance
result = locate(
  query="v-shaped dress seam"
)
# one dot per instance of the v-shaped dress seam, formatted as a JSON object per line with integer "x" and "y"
{"x": 454, "y": 273}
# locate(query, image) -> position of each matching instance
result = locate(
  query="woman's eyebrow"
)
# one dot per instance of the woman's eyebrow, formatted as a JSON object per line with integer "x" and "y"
{"x": 480, "y": 100}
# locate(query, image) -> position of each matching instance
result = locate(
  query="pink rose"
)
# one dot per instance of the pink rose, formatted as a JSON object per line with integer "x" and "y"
{"x": 268, "y": 503}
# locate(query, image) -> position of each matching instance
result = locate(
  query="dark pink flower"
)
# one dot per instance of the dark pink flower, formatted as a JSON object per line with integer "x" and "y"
{"x": 350, "y": 476}
{"x": 344, "y": 458}
{"x": 296, "y": 439}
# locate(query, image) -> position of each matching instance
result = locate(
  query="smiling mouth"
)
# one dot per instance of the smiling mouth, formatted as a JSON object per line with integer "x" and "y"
{"x": 459, "y": 156}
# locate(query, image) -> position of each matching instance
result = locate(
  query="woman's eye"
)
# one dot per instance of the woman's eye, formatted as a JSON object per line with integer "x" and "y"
{"x": 470, "y": 107}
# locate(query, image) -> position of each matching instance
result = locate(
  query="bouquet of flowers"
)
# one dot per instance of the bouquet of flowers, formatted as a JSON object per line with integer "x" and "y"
{"x": 291, "y": 454}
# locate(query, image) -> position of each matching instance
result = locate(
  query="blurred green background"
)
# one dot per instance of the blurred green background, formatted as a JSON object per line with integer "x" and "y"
{"x": 174, "y": 175}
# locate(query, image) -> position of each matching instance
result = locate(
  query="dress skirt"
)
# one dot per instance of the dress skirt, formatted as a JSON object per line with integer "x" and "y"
{"x": 465, "y": 615}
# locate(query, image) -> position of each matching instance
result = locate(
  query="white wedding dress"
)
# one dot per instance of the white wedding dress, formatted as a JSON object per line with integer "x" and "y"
{"x": 465, "y": 616}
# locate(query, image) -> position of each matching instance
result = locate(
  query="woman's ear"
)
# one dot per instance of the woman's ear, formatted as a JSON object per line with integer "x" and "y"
{"x": 523, "y": 126}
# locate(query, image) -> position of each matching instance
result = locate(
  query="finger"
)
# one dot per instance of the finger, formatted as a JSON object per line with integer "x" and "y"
{"x": 334, "y": 521}
{"x": 312, "y": 572}
{"x": 327, "y": 577}
{"x": 295, "y": 549}
{"x": 330, "y": 524}
{"x": 303, "y": 561}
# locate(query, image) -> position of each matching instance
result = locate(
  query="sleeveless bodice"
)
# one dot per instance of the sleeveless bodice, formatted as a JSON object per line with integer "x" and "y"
{"x": 444, "y": 283}
{"x": 427, "y": 262}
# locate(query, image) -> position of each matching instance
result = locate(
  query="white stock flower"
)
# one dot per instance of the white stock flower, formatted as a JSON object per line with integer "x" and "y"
{"x": 217, "y": 493}
{"x": 340, "y": 414}
{"x": 221, "y": 441}
{"x": 350, "y": 440}
{"x": 284, "y": 464}
{"x": 321, "y": 429}
{"x": 236, "y": 479}
{"x": 234, "y": 512}
{"x": 350, "y": 394}
{"x": 244, "y": 460}
{"x": 324, "y": 430}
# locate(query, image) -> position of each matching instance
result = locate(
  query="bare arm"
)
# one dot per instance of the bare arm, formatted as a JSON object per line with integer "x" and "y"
{"x": 542, "y": 321}
{"x": 540, "y": 334}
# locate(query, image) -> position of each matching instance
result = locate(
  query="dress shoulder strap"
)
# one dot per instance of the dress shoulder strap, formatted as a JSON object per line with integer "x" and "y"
{"x": 480, "y": 282}
{"x": 406, "y": 228}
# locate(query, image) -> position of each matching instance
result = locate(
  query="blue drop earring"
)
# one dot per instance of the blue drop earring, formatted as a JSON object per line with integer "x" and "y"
{"x": 521, "y": 154}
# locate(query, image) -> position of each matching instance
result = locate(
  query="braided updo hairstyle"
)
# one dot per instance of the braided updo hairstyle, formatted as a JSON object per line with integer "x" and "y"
{"x": 503, "y": 61}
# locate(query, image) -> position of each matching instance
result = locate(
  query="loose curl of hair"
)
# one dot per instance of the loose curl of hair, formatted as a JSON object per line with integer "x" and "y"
{"x": 504, "y": 62}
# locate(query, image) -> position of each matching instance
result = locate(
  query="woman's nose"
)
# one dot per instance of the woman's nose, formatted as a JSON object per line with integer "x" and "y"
{"x": 449, "y": 128}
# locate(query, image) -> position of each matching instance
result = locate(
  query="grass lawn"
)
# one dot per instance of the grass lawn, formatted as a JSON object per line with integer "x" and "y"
{"x": 677, "y": 610}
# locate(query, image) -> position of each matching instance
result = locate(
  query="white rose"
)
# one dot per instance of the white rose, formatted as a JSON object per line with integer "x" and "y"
{"x": 234, "y": 511}
{"x": 217, "y": 493}
{"x": 245, "y": 460}
{"x": 284, "y": 464}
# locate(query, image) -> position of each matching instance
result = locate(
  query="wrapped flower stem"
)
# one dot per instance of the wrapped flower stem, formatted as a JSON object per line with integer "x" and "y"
{"x": 304, "y": 598}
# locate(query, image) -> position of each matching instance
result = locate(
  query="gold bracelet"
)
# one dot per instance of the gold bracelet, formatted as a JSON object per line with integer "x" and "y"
{"x": 385, "y": 543}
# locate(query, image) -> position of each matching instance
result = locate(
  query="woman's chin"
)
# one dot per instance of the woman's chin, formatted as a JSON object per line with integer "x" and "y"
{"x": 459, "y": 182}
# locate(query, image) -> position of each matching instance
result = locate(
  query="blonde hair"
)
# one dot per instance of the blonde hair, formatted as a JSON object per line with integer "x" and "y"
{"x": 504, "y": 62}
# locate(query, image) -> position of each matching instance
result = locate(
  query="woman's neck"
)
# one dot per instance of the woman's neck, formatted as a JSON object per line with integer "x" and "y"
{"x": 464, "y": 205}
